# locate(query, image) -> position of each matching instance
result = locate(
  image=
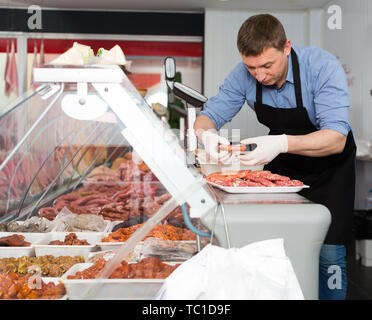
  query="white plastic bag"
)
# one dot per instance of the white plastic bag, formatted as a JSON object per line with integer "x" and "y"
{"x": 258, "y": 271}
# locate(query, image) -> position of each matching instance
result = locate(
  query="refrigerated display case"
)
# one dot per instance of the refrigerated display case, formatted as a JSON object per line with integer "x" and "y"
{"x": 85, "y": 143}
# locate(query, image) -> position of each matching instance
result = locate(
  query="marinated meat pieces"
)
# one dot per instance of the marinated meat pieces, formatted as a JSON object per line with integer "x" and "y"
{"x": 119, "y": 211}
{"x": 70, "y": 240}
{"x": 48, "y": 213}
{"x": 248, "y": 178}
{"x": 15, "y": 286}
{"x": 14, "y": 240}
{"x": 147, "y": 268}
{"x": 165, "y": 232}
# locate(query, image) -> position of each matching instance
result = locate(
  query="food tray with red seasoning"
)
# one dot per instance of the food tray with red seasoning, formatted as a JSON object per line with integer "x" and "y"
{"x": 118, "y": 289}
{"x": 291, "y": 189}
{"x": 43, "y": 247}
{"x": 19, "y": 251}
{"x": 259, "y": 181}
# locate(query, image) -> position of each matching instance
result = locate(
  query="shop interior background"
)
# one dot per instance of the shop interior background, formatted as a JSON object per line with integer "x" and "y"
{"x": 211, "y": 27}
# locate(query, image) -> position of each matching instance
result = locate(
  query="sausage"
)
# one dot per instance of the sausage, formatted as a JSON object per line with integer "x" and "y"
{"x": 262, "y": 181}
{"x": 84, "y": 200}
{"x": 237, "y": 147}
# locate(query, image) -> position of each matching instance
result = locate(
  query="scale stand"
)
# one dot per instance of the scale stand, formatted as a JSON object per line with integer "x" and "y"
{"x": 193, "y": 99}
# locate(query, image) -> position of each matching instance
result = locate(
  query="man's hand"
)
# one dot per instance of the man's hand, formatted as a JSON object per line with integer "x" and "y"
{"x": 268, "y": 147}
{"x": 211, "y": 140}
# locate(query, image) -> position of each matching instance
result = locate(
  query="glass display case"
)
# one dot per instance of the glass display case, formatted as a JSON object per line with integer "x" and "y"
{"x": 83, "y": 144}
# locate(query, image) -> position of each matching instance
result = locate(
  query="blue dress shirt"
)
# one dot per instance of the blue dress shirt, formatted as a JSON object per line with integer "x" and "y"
{"x": 324, "y": 91}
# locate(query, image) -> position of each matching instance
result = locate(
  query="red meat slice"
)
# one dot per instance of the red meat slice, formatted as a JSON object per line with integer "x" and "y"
{"x": 250, "y": 183}
{"x": 275, "y": 177}
{"x": 258, "y": 173}
{"x": 265, "y": 182}
{"x": 289, "y": 183}
{"x": 295, "y": 183}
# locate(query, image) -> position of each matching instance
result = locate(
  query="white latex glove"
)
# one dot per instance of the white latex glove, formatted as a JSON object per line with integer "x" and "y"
{"x": 268, "y": 147}
{"x": 211, "y": 140}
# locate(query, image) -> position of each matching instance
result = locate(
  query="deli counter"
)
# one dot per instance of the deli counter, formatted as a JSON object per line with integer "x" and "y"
{"x": 93, "y": 185}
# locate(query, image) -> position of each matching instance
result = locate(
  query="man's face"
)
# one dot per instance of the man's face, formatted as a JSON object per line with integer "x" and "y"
{"x": 270, "y": 67}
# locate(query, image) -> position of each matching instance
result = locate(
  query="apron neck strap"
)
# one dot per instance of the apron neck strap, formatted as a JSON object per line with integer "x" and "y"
{"x": 258, "y": 92}
{"x": 296, "y": 80}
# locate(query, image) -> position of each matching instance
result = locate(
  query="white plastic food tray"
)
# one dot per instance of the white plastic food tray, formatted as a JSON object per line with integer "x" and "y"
{"x": 118, "y": 289}
{"x": 17, "y": 252}
{"x": 117, "y": 245}
{"x": 259, "y": 189}
{"x": 42, "y": 248}
{"x": 110, "y": 245}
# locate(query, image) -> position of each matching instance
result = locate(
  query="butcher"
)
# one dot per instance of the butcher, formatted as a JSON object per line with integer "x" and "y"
{"x": 301, "y": 95}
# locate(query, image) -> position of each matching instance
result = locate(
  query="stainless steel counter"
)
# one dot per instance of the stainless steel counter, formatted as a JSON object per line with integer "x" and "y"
{"x": 255, "y": 217}
{"x": 259, "y": 198}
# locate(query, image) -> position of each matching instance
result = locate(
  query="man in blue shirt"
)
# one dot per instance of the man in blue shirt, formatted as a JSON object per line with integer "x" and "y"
{"x": 301, "y": 95}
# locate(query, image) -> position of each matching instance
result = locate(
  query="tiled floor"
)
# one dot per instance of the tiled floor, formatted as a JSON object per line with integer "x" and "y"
{"x": 359, "y": 278}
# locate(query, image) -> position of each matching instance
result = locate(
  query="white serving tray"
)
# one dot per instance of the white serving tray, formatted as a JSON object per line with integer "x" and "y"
{"x": 117, "y": 245}
{"x": 259, "y": 189}
{"x": 110, "y": 245}
{"x": 42, "y": 248}
{"x": 17, "y": 252}
{"x": 118, "y": 289}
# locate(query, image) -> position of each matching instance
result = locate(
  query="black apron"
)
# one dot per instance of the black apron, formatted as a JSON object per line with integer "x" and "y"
{"x": 331, "y": 178}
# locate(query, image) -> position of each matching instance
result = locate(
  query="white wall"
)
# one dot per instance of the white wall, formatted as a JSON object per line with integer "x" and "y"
{"x": 221, "y": 54}
{"x": 353, "y": 44}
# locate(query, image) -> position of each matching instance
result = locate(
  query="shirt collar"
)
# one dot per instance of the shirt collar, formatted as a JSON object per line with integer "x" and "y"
{"x": 290, "y": 71}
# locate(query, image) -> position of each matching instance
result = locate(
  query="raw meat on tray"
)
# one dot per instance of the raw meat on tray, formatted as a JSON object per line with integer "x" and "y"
{"x": 249, "y": 178}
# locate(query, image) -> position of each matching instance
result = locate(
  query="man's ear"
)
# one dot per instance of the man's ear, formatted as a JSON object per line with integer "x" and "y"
{"x": 287, "y": 47}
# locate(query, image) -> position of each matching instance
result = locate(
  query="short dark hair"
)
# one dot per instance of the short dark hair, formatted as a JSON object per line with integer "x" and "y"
{"x": 260, "y": 32}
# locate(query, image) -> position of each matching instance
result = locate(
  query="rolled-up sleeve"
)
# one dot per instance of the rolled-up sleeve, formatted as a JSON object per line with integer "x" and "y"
{"x": 331, "y": 97}
{"x": 222, "y": 107}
